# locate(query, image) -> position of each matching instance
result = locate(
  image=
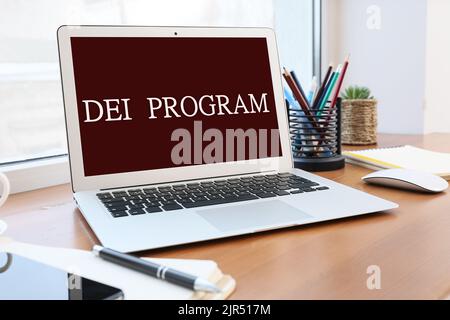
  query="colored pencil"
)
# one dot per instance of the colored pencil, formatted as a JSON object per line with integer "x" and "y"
{"x": 299, "y": 86}
{"x": 338, "y": 87}
{"x": 322, "y": 96}
{"x": 339, "y": 83}
{"x": 298, "y": 96}
{"x": 290, "y": 99}
{"x": 329, "y": 89}
{"x": 295, "y": 90}
{"x": 322, "y": 87}
{"x": 312, "y": 90}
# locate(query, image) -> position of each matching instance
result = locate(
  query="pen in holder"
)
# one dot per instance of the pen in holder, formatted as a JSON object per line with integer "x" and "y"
{"x": 316, "y": 138}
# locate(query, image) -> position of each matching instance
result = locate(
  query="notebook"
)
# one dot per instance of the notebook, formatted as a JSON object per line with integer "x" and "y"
{"x": 407, "y": 157}
{"x": 135, "y": 286}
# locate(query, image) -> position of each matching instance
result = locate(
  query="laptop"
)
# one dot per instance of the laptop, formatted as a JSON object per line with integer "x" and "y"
{"x": 178, "y": 135}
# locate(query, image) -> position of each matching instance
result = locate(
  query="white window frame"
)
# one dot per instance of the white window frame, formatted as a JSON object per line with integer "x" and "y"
{"x": 37, "y": 173}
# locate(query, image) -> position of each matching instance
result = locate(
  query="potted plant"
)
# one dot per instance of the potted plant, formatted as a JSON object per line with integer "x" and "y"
{"x": 359, "y": 116}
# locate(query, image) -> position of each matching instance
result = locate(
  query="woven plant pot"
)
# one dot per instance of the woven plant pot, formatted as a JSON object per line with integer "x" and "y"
{"x": 359, "y": 122}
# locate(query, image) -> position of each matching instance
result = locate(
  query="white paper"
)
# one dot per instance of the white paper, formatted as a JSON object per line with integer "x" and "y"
{"x": 134, "y": 285}
{"x": 410, "y": 157}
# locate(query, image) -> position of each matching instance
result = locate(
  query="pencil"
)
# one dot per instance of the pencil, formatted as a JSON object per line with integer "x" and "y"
{"x": 297, "y": 94}
{"x": 324, "y": 92}
{"x": 340, "y": 81}
{"x": 329, "y": 89}
{"x": 299, "y": 86}
{"x": 295, "y": 90}
{"x": 290, "y": 99}
{"x": 338, "y": 88}
{"x": 322, "y": 87}
{"x": 312, "y": 90}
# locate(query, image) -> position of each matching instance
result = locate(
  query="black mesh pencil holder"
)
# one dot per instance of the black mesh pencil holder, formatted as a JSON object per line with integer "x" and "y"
{"x": 316, "y": 137}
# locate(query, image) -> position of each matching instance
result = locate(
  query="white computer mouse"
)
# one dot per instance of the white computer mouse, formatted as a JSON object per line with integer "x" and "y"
{"x": 407, "y": 179}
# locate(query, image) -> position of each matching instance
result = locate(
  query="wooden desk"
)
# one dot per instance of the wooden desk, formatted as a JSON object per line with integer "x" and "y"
{"x": 411, "y": 244}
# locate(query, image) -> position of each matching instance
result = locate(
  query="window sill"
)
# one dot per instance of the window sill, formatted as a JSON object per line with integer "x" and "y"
{"x": 36, "y": 174}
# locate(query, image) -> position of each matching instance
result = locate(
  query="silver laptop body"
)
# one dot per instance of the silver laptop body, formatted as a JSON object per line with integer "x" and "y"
{"x": 135, "y": 200}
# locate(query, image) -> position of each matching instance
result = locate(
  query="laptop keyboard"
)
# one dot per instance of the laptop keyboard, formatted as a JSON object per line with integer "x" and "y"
{"x": 204, "y": 193}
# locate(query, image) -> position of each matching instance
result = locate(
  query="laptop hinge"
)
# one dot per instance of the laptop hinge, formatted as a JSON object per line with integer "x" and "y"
{"x": 189, "y": 180}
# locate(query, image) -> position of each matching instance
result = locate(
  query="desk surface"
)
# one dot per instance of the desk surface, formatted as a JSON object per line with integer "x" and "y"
{"x": 328, "y": 260}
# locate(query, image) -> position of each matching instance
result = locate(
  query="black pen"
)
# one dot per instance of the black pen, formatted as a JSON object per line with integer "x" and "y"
{"x": 155, "y": 270}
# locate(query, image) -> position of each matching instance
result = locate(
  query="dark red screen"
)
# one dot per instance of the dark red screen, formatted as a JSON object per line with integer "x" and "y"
{"x": 139, "y": 68}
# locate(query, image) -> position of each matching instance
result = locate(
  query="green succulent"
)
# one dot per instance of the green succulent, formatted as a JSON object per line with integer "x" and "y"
{"x": 355, "y": 92}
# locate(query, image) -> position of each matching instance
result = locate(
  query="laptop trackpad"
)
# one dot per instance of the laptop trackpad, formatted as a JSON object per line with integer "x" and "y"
{"x": 253, "y": 215}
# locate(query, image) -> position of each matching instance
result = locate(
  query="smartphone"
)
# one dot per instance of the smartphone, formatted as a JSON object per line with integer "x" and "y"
{"x": 25, "y": 279}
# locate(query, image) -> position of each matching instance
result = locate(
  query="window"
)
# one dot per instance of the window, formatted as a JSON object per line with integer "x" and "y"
{"x": 31, "y": 107}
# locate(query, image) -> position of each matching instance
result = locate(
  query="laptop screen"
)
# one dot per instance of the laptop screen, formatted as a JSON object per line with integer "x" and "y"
{"x": 152, "y": 103}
